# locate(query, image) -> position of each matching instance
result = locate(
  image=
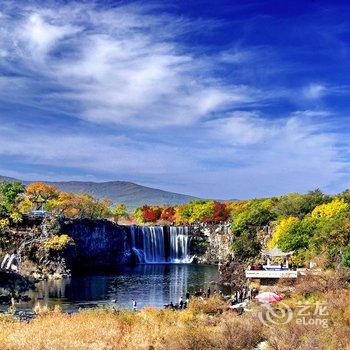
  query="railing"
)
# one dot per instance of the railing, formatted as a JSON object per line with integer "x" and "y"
{"x": 271, "y": 274}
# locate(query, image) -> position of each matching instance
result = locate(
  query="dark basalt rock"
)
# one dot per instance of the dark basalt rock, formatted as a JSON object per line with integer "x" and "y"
{"x": 12, "y": 285}
{"x": 98, "y": 243}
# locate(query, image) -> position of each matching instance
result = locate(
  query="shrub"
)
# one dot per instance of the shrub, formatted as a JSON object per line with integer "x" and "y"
{"x": 321, "y": 283}
{"x": 58, "y": 242}
{"x": 213, "y": 305}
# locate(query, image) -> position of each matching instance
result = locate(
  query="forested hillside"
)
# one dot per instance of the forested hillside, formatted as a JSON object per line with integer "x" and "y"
{"x": 131, "y": 194}
{"x": 313, "y": 225}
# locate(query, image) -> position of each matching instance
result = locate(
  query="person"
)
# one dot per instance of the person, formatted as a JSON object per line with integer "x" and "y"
{"x": 208, "y": 293}
{"x": 281, "y": 265}
{"x": 134, "y": 304}
{"x": 249, "y": 294}
{"x": 181, "y": 302}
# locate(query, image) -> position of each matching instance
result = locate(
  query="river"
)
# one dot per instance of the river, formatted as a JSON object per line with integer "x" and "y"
{"x": 149, "y": 284}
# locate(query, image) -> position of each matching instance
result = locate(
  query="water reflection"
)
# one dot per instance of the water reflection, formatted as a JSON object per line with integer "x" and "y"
{"x": 150, "y": 285}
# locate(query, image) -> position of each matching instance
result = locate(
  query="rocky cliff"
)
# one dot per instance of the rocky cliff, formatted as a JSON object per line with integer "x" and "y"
{"x": 98, "y": 243}
{"x": 210, "y": 243}
{"x": 103, "y": 244}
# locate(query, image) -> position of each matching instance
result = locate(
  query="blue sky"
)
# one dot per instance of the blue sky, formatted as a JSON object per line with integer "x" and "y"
{"x": 221, "y": 99}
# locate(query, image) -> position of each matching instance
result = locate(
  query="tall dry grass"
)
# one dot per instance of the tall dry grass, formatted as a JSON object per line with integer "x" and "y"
{"x": 206, "y": 324}
{"x": 98, "y": 329}
{"x": 329, "y": 289}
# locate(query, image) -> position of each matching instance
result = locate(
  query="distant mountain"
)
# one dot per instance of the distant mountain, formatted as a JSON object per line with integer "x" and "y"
{"x": 133, "y": 195}
{"x": 6, "y": 178}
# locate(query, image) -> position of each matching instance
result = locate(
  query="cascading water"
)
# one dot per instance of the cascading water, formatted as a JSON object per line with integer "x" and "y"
{"x": 151, "y": 244}
{"x": 179, "y": 242}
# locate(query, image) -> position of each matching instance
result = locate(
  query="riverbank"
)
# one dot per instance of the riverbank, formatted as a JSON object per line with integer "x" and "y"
{"x": 206, "y": 324}
{"x": 314, "y": 315}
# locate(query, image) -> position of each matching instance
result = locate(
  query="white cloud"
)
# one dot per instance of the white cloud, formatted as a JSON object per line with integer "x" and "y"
{"x": 41, "y": 36}
{"x": 242, "y": 128}
{"x": 129, "y": 69}
{"x": 243, "y": 155}
{"x": 314, "y": 91}
{"x": 119, "y": 65}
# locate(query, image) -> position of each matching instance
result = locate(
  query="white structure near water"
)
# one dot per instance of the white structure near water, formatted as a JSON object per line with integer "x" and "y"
{"x": 273, "y": 271}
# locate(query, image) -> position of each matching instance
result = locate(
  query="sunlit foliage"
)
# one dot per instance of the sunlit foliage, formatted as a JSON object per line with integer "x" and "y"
{"x": 10, "y": 199}
{"x": 81, "y": 206}
{"x": 40, "y": 194}
{"x": 119, "y": 211}
{"x": 58, "y": 242}
{"x": 330, "y": 209}
{"x": 282, "y": 226}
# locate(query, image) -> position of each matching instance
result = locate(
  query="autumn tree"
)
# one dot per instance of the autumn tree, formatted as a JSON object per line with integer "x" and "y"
{"x": 81, "y": 206}
{"x": 147, "y": 213}
{"x": 221, "y": 212}
{"x": 119, "y": 211}
{"x": 40, "y": 194}
{"x": 168, "y": 214}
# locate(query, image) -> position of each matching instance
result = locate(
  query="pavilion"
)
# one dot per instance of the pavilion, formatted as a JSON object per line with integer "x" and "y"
{"x": 273, "y": 271}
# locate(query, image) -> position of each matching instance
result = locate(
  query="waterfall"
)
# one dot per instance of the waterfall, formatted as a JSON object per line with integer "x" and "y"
{"x": 151, "y": 244}
{"x": 179, "y": 242}
{"x": 10, "y": 262}
{"x": 4, "y": 261}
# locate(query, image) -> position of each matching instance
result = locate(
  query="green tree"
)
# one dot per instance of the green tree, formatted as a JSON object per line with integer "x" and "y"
{"x": 119, "y": 211}
{"x": 297, "y": 235}
{"x": 346, "y": 256}
{"x": 10, "y": 198}
{"x": 295, "y": 204}
{"x": 253, "y": 216}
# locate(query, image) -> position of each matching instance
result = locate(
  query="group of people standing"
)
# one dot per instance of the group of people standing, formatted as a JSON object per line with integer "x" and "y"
{"x": 242, "y": 294}
{"x": 200, "y": 293}
{"x": 237, "y": 297}
{"x": 182, "y": 304}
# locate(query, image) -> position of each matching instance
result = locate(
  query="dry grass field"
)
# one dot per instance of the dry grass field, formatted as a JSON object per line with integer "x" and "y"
{"x": 206, "y": 324}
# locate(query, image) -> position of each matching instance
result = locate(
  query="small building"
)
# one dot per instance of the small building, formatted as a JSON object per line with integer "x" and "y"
{"x": 270, "y": 270}
{"x": 38, "y": 213}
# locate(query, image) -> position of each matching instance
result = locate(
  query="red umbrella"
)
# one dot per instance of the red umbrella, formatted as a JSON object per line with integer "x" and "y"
{"x": 268, "y": 297}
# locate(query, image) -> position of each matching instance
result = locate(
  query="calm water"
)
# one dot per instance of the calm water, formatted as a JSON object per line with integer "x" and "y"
{"x": 150, "y": 285}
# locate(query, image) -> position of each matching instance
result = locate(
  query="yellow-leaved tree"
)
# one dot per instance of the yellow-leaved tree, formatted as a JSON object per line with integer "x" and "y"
{"x": 331, "y": 209}
{"x": 40, "y": 193}
{"x": 280, "y": 228}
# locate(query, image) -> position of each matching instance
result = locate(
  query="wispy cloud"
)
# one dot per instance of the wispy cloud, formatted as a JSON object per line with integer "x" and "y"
{"x": 120, "y": 65}
{"x": 237, "y": 155}
{"x": 314, "y": 91}
{"x": 137, "y": 95}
